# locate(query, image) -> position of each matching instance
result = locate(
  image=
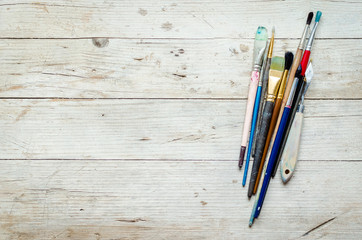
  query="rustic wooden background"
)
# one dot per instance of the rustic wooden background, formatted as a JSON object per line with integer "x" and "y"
{"x": 123, "y": 120}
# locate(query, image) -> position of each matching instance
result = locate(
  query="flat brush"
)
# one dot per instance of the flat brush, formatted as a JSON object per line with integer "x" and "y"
{"x": 290, "y": 154}
{"x": 275, "y": 75}
{"x": 261, "y": 39}
{"x": 263, "y": 149}
{"x": 297, "y": 95}
{"x": 262, "y": 86}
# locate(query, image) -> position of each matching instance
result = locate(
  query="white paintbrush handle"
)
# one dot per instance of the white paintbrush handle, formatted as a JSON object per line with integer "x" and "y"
{"x": 290, "y": 154}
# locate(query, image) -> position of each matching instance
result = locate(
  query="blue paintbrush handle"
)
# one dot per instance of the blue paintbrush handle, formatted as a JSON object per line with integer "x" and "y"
{"x": 272, "y": 159}
{"x": 255, "y": 117}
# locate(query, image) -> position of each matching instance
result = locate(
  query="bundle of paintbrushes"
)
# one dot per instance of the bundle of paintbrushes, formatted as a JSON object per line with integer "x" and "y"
{"x": 274, "y": 111}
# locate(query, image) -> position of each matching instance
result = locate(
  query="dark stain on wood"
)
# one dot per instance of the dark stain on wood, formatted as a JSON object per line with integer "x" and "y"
{"x": 179, "y": 75}
{"x": 100, "y": 42}
{"x": 131, "y": 220}
{"x": 203, "y": 203}
{"x": 138, "y": 59}
{"x": 145, "y": 139}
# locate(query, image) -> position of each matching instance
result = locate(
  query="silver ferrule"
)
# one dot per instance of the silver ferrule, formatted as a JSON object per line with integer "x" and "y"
{"x": 292, "y": 91}
{"x": 257, "y": 67}
{"x": 311, "y": 37}
{"x": 304, "y": 36}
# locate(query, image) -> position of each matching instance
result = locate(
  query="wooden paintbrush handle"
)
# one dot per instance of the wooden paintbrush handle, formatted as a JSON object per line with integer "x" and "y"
{"x": 264, "y": 128}
{"x": 267, "y": 142}
{"x": 290, "y": 154}
{"x": 255, "y": 75}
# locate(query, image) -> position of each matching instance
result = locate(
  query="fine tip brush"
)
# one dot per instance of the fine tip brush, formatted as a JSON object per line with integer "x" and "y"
{"x": 261, "y": 39}
{"x": 290, "y": 154}
{"x": 275, "y": 75}
{"x": 288, "y": 63}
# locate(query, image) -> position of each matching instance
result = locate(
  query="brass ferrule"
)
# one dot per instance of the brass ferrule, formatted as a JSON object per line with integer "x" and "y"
{"x": 273, "y": 84}
{"x": 282, "y": 84}
{"x": 271, "y": 45}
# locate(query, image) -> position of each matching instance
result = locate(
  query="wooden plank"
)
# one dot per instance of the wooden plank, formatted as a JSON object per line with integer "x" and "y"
{"x": 181, "y": 19}
{"x": 174, "y": 200}
{"x": 162, "y": 68}
{"x": 162, "y": 129}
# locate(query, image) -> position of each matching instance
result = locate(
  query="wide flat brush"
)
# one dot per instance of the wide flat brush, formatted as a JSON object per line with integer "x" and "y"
{"x": 263, "y": 84}
{"x": 261, "y": 39}
{"x": 298, "y": 92}
{"x": 290, "y": 154}
{"x": 275, "y": 75}
{"x": 264, "y": 148}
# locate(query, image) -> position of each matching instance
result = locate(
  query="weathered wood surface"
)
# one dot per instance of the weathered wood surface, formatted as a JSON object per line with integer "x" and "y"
{"x": 162, "y": 129}
{"x": 162, "y": 68}
{"x": 73, "y": 199}
{"x": 146, "y": 146}
{"x": 178, "y": 19}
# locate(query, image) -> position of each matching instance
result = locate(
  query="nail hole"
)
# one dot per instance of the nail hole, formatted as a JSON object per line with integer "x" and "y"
{"x": 287, "y": 171}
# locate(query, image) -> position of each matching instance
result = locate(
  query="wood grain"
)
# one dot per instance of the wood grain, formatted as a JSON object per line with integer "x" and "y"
{"x": 173, "y": 200}
{"x": 161, "y": 129}
{"x": 162, "y": 68}
{"x": 179, "y": 19}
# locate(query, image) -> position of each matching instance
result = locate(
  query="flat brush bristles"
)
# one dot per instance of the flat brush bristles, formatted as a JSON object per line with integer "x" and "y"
{"x": 288, "y": 60}
{"x": 310, "y": 17}
{"x": 277, "y": 64}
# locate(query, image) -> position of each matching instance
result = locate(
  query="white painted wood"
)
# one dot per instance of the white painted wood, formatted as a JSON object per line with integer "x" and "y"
{"x": 173, "y": 200}
{"x": 177, "y": 19}
{"x": 162, "y": 68}
{"x": 162, "y": 129}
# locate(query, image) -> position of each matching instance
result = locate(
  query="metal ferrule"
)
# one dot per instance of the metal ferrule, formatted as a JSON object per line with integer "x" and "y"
{"x": 271, "y": 46}
{"x": 304, "y": 36}
{"x": 263, "y": 67}
{"x": 273, "y": 84}
{"x": 259, "y": 59}
{"x": 311, "y": 37}
{"x": 292, "y": 91}
{"x": 282, "y": 84}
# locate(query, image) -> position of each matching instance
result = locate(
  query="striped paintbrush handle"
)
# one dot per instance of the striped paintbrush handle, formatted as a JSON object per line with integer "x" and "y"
{"x": 255, "y": 117}
{"x": 255, "y": 75}
{"x": 272, "y": 159}
{"x": 290, "y": 154}
{"x": 264, "y": 128}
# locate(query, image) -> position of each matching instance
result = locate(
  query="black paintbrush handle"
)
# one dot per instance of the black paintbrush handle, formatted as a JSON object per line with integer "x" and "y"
{"x": 259, "y": 147}
{"x": 261, "y": 104}
{"x": 296, "y": 100}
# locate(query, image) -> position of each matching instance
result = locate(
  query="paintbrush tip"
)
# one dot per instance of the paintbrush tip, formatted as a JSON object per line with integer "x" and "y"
{"x": 277, "y": 63}
{"x": 273, "y": 30}
{"x": 288, "y": 60}
{"x": 318, "y": 16}
{"x": 310, "y": 17}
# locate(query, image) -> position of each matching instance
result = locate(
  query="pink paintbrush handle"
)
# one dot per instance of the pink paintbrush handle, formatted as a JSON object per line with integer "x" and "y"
{"x": 255, "y": 75}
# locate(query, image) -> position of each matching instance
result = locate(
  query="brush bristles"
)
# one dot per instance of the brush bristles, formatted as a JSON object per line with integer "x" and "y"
{"x": 310, "y": 17}
{"x": 277, "y": 63}
{"x": 288, "y": 60}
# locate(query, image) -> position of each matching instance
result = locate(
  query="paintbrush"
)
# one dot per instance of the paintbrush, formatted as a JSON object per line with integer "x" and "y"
{"x": 288, "y": 62}
{"x": 261, "y": 39}
{"x": 275, "y": 76}
{"x": 285, "y": 116}
{"x": 290, "y": 153}
{"x": 263, "y": 85}
{"x": 296, "y": 62}
{"x": 298, "y": 93}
